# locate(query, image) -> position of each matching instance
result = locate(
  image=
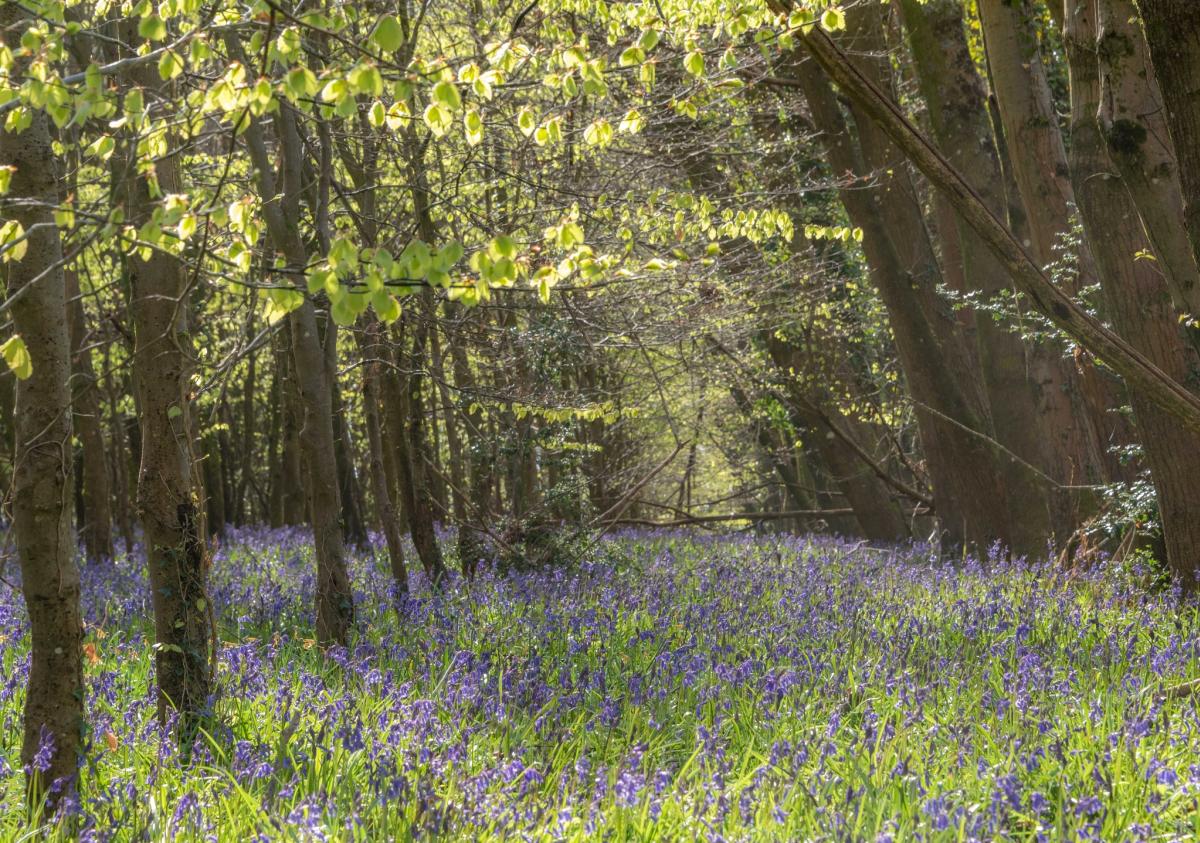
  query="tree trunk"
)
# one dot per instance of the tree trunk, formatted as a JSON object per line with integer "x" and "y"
{"x": 1092, "y": 335}
{"x": 408, "y": 418}
{"x": 957, "y": 107}
{"x": 1138, "y": 300}
{"x": 42, "y": 473}
{"x": 968, "y": 494}
{"x": 281, "y": 212}
{"x": 120, "y": 460}
{"x": 1173, "y": 35}
{"x": 295, "y": 483}
{"x": 374, "y": 351}
{"x": 97, "y": 496}
{"x": 353, "y": 519}
{"x": 1039, "y": 166}
{"x": 471, "y": 547}
{"x": 175, "y": 551}
{"x": 242, "y": 506}
{"x": 1139, "y": 144}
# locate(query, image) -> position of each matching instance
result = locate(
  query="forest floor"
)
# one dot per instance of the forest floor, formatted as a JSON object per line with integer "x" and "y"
{"x": 672, "y": 688}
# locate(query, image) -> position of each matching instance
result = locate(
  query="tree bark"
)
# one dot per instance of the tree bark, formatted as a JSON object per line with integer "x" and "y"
{"x": 1139, "y": 372}
{"x": 407, "y": 416}
{"x": 45, "y": 545}
{"x": 1137, "y": 297}
{"x": 968, "y": 494}
{"x": 1139, "y": 143}
{"x": 353, "y": 519}
{"x": 1173, "y": 34}
{"x": 374, "y": 353}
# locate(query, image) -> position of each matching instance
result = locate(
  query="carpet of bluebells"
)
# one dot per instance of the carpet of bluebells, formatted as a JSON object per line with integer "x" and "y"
{"x": 670, "y": 687}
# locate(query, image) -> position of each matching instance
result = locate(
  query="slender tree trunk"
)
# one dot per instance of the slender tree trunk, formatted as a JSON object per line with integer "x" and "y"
{"x": 450, "y": 422}
{"x": 120, "y": 460}
{"x": 374, "y": 353}
{"x": 353, "y": 520}
{"x": 281, "y": 211}
{"x": 242, "y": 504}
{"x": 214, "y": 468}
{"x": 407, "y": 410}
{"x": 45, "y": 545}
{"x": 1137, "y": 297}
{"x": 294, "y": 481}
{"x": 471, "y": 549}
{"x": 97, "y": 496}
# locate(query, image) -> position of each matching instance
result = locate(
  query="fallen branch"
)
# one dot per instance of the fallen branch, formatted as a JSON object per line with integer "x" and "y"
{"x": 738, "y": 516}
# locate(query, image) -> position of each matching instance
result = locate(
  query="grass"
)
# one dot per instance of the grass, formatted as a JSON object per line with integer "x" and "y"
{"x": 671, "y": 688}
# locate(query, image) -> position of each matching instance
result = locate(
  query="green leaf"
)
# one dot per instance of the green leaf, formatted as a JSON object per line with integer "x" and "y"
{"x": 365, "y": 79}
{"x": 12, "y": 232}
{"x": 280, "y": 302}
{"x": 693, "y": 63}
{"x": 438, "y": 119}
{"x": 152, "y": 28}
{"x": 570, "y": 235}
{"x": 388, "y": 34}
{"x": 599, "y": 133}
{"x": 301, "y": 82}
{"x": 649, "y": 40}
{"x": 16, "y": 355}
{"x": 632, "y": 56}
{"x": 6, "y": 174}
{"x": 502, "y": 247}
{"x": 473, "y": 125}
{"x": 833, "y": 19}
{"x": 386, "y": 306}
{"x": 448, "y": 256}
{"x": 377, "y": 116}
{"x": 170, "y": 65}
{"x": 446, "y": 93}
{"x": 526, "y": 122}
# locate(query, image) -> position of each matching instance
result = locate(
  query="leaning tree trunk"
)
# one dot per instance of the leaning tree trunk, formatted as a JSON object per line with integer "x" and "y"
{"x": 957, "y": 106}
{"x": 1039, "y": 166}
{"x": 281, "y": 212}
{"x": 1138, "y": 300}
{"x": 1140, "y": 374}
{"x": 968, "y": 495}
{"x": 1173, "y": 33}
{"x": 42, "y": 470}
